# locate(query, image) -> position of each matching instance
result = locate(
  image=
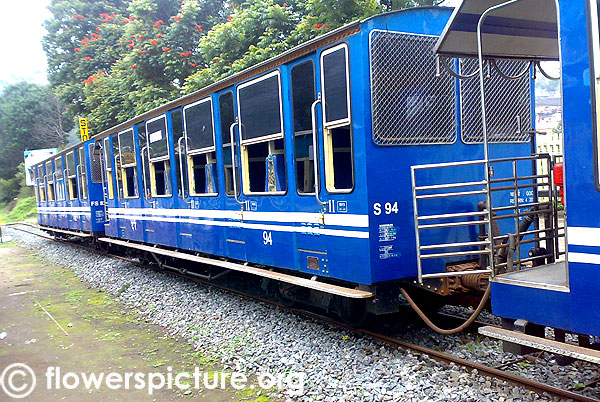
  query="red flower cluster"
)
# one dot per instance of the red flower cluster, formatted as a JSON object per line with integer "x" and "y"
{"x": 229, "y": 18}
{"x": 130, "y": 46}
{"x": 131, "y": 17}
{"x": 142, "y": 37}
{"x": 94, "y": 36}
{"x": 79, "y": 16}
{"x": 88, "y": 58}
{"x": 133, "y": 66}
{"x": 97, "y": 28}
{"x": 157, "y": 23}
{"x": 189, "y": 52}
{"x": 125, "y": 21}
{"x": 154, "y": 42}
{"x": 77, "y": 49}
{"x": 319, "y": 26}
{"x": 85, "y": 41}
{"x": 177, "y": 18}
{"x": 198, "y": 27}
{"x": 285, "y": 4}
{"x": 159, "y": 35}
{"x": 194, "y": 64}
{"x": 106, "y": 17}
{"x": 140, "y": 51}
{"x": 93, "y": 77}
{"x": 166, "y": 49}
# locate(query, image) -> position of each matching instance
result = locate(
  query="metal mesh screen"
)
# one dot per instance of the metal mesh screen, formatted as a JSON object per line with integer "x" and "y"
{"x": 96, "y": 164}
{"x": 505, "y": 99}
{"x": 410, "y": 105}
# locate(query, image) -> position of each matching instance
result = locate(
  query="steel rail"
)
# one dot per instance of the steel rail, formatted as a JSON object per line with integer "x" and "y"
{"x": 488, "y": 371}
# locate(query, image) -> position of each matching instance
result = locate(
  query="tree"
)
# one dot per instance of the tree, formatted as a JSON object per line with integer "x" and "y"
{"x": 30, "y": 117}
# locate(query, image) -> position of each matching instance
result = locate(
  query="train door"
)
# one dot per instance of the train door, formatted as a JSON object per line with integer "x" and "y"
{"x": 71, "y": 190}
{"x": 59, "y": 178}
{"x": 267, "y": 223}
{"x": 158, "y": 184}
{"x": 194, "y": 136}
{"x": 111, "y": 223}
{"x": 235, "y": 241}
{"x": 50, "y": 191}
{"x": 82, "y": 187}
{"x": 126, "y": 163}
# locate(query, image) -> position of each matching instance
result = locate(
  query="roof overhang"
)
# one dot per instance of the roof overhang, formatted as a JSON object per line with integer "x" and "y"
{"x": 525, "y": 29}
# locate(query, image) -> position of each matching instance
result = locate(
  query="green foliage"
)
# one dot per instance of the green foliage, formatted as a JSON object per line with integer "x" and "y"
{"x": 30, "y": 117}
{"x": 24, "y": 209}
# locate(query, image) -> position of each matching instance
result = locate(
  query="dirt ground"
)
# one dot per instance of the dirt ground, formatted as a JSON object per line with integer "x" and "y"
{"x": 101, "y": 336}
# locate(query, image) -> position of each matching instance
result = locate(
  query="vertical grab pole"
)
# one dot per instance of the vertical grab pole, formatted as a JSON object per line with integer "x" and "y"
{"x": 315, "y": 138}
{"x": 183, "y": 196}
{"x": 416, "y": 221}
{"x": 234, "y": 175}
{"x": 484, "y": 129}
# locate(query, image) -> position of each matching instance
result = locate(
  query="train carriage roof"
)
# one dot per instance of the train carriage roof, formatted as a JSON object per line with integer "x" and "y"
{"x": 525, "y": 29}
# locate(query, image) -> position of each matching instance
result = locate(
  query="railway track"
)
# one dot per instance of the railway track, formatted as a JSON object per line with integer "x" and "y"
{"x": 493, "y": 372}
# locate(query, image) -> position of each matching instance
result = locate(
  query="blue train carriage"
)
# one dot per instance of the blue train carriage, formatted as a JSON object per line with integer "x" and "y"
{"x": 230, "y": 171}
{"x": 69, "y": 192}
{"x": 555, "y": 285}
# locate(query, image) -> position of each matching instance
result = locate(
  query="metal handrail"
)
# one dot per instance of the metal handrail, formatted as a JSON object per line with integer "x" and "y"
{"x": 233, "y": 171}
{"x": 181, "y": 172}
{"x": 146, "y": 194}
{"x": 315, "y": 135}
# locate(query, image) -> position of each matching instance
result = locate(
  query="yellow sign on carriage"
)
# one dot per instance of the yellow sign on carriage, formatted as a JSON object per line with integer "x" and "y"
{"x": 83, "y": 129}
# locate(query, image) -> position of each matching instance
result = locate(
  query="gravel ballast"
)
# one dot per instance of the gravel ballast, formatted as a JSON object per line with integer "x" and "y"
{"x": 252, "y": 337}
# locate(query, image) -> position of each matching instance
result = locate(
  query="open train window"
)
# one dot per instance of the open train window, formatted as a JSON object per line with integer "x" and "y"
{"x": 128, "y": 162}
{"x": 261, "y": 125}
{"x": 108, "y": 163}
{"x": 82, "y": 174}
{"x": 200, "y": 148}
{"x": 337, "y": 133}
{"x": 303, "y": 95}
{"x": 50, "y": 181}
{"x": 179, "y": 150}
{"x": 158, "y": 152}
{"x": 41, "y": 183}
{"x": 227, "y": 118}
{"x": 71, "y": 172}
{"x": 60, "y": 179}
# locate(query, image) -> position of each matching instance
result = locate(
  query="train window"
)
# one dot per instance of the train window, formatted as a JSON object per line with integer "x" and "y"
{"x": 410, "y": 105}
{"x": 117, "y": 164}
{"x": 335, "y": 85}
{"x": 508, "y": 103}
{"x": 71, "y": 176}
{"x": 259, "y": 106}
{"x": 303, "y": 95}
{"x": 50, "y": 180}
{"x": 177, "y": 128}
{"x": 145, "y": 159}
{"x": 41, "y": 183}
{"x": 200, "y": 141}
{"x": 108, "y": 163}
{"x": 262, "y": 151}
{"x": 60, "y": 179}
{"x": 82, "y": 174}
{"x": 198, "y": 125}
{"x": 227, "y": 118}
{"x": 158, "y": 150}
{"x": 96, "y": 173}
{"x": 595, "y": 77}
{"x": 337, "y": 133}
{"x": 157, "y": 138}
{"x": 128, "y": 162}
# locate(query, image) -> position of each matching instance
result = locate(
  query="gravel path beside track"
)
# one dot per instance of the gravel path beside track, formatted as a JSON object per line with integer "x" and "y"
{"x": 253, "y": 337}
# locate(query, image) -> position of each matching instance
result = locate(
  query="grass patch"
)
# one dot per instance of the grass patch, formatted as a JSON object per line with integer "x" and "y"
{"x": 24, "y": 209}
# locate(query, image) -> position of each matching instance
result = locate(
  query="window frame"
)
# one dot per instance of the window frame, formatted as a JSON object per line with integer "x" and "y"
{"x": 80, "y": 181}
{"x": 227, "y": 144}
{"x": 212, "y": 121}
{"x": 71, "y": 176}
{"x": 133, "y": 165}
{"x": 50, "y": 182}
{"x": 347, "y": 120}
{"x": 302, "y": 132}
{"x": 166, "y": 134}
{"x": 108, "y": 169}
{"x": 268, "y": 137}
{"x": 594, "y": 60}
{"x": 60, "y": 195}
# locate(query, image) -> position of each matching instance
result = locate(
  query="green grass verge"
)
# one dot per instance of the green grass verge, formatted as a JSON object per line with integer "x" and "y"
{"x": 24, "y": 209}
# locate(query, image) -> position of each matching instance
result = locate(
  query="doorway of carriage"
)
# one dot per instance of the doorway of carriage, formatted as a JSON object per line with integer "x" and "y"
{"x": 125, "y": 206}
{"x": 158, "y": 215}
{"x": 202, "y": 220}
{"x": 72, "y": 199}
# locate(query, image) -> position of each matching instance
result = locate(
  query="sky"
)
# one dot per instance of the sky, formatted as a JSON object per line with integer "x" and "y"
{"x": 21, "y": 33}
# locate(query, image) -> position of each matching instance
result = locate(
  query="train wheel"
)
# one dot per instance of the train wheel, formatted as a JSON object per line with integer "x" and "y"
{"x": 353, "y": 312}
